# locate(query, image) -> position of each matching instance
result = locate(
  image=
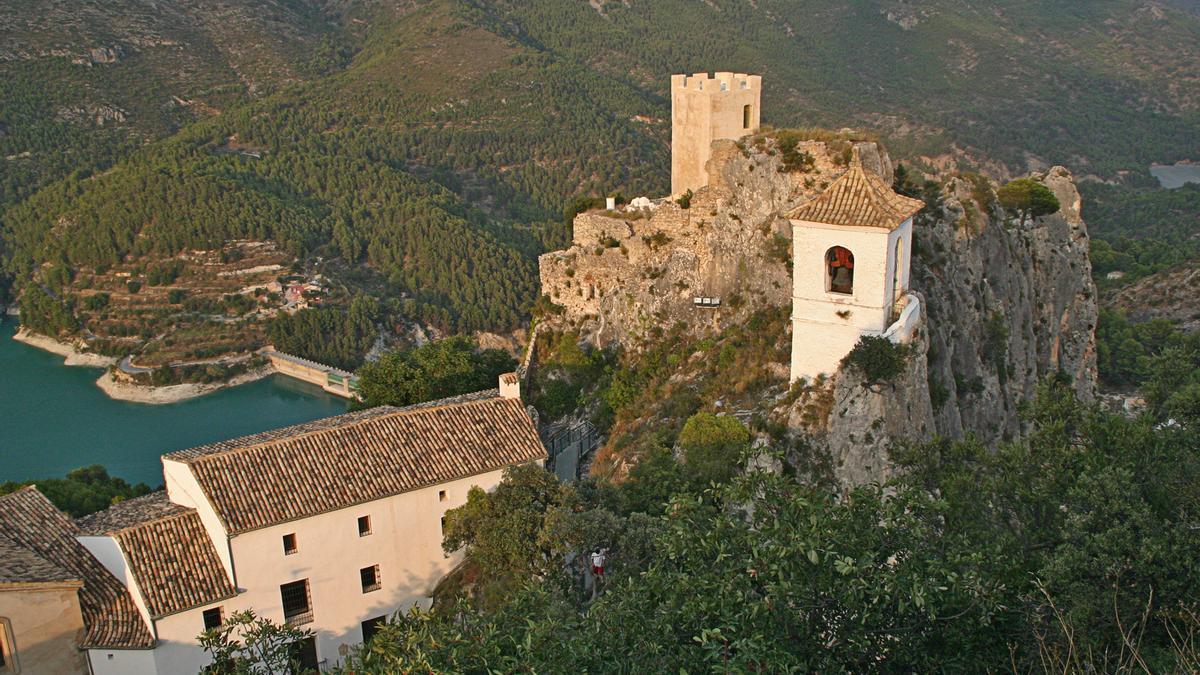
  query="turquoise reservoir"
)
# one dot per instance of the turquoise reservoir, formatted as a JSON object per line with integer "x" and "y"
{"x": 53, "y": 418}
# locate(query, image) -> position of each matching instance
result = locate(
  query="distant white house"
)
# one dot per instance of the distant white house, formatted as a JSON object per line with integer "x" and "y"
{"x": 332, "y": 525}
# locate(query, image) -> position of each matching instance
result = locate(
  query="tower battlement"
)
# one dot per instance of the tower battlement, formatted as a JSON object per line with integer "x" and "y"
{"x": 704, "y": 109}
{"x": 718, "y": 82}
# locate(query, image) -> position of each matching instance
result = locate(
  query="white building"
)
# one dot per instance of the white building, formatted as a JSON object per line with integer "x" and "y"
{"x": 332, "y": 525}
{"x": 851, "y": 243}
{"x": 851, "y": 250}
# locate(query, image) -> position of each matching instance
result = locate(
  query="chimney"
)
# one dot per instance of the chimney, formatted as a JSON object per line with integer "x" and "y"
{"x": 510, "y": 386}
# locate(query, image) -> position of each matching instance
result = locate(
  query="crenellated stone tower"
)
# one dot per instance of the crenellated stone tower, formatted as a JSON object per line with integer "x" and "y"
{"x": 706, "y": 109}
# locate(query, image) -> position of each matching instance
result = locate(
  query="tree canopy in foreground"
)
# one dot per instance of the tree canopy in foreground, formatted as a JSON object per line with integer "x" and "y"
{"x": 1071, "y": 551}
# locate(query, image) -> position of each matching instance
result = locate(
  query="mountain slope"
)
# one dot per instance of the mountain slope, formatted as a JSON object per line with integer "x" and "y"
{"x": 86, "y": 83}
{"x": 432, "y": 169}
{"x": 421, "y": 152}
{"x": 1100, "y": 86}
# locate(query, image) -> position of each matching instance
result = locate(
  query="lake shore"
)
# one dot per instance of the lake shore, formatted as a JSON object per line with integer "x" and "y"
{"x": 122, "y": 390}
{"x": 72, "y": 354}
{"x": 140, "y": 393}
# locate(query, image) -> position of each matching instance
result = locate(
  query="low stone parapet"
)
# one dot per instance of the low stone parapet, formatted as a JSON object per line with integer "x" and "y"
{"x": 901, "y": 331}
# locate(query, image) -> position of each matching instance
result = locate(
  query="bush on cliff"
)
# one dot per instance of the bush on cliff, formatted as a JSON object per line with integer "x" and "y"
{"x": 712, "y": 447}
{"x": 1027, "y": 199}
{"x": 877, "y": 358}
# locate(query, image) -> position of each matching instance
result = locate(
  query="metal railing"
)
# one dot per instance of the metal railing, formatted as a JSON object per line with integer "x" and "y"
{"x": 569, "y": 447}
{"x": 299, "y": 618}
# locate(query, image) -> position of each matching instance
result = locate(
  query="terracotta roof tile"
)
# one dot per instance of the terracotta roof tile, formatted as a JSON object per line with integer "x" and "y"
{"x": 129, "y": 513}
{"x": 19, "y": 565}
{"x": 189, "y": 454}
{"x": 168, "y": 550}
{"x": 110, "y": 618}
{"x": 860, "y": 198}
{"x": 331, "y": 464}
{"x": 175, "y": 564}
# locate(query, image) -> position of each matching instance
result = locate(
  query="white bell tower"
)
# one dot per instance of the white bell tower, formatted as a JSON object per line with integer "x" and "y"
{"x": 851, "y": 250}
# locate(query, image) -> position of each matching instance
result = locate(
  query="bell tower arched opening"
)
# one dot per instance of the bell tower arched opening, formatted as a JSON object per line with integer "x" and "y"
{"x": 839, "y": 271}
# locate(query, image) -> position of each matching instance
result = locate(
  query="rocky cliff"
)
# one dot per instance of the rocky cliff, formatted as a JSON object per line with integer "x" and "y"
{"x": 1006, "y": 303}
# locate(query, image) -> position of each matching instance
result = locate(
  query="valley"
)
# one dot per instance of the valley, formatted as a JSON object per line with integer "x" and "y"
{"x": 733, "y": 336}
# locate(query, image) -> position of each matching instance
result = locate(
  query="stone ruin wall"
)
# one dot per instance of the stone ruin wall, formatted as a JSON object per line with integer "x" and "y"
{"x": 631, "y": 271}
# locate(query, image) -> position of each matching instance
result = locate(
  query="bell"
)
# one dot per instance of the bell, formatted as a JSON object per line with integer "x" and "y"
{"x": 841, "y": 277}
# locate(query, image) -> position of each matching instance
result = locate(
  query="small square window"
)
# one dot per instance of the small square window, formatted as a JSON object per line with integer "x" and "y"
{"x": 371, "y": 626}
{"x": 297, "y": 604}
{"x": 441, "y": 495}
{"x": 213, "y": 618}
{"x": 289, "y": 544}
{"x": 370, "y": 578}
{"x": 364, "y": 525}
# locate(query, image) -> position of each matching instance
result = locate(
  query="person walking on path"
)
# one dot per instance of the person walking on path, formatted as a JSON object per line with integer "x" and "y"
{"x": 599, "y": 557}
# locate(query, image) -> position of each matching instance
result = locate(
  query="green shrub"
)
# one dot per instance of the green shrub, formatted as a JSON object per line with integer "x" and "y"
{"x": 877, "y": 358}
{"x": 96, "y": 302}
{"x": 1027, "y": 199}
{"x": 133, "y": 286}
{"x": 712, "y": 446}
{"x": 779, "y": 248}
{"x": 793, "y": 160}
{"x": 938, "y": 393}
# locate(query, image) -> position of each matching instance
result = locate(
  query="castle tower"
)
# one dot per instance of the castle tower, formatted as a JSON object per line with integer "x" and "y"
{"x": 705, "y": 109}
{"x": 851, "y": 250}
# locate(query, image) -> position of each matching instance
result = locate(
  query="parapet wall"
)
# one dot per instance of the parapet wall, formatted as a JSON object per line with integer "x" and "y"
{"x": 717, "y": 83}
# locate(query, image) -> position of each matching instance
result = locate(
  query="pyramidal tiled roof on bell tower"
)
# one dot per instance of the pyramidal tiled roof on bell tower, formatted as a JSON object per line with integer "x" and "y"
{"x": 860, "y": 198}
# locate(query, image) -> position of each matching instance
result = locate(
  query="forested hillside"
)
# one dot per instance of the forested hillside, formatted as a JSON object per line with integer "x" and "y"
{"x": 1097, "y": 86}
{"x": 85, "y": 84}
{"x": 423, "y": 152}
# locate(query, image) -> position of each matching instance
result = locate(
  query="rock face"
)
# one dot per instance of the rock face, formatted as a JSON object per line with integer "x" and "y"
{"x": 1005, "y": 303}
{"x": 632, "y": 273}
{"x": 1169, "y": 294}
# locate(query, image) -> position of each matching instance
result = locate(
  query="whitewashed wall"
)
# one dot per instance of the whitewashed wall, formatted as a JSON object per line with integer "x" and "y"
{"x": 820, "y": 336}
{"x": 406, "y": 542}
{"x": 121, "y": 661}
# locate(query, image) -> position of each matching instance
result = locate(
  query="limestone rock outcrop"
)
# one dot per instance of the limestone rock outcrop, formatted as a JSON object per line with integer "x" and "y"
{"x": 1005, "y": 303}
{"x": 634, "y": 272}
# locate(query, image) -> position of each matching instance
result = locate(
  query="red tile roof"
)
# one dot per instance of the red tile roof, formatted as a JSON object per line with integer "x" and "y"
{"x": 169, "y": 553}
{"x": 359, "y": 457}
{"x": 110, "y": 618}
{"x": 19, "y": 565}
{"x": 859, "y": 198}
